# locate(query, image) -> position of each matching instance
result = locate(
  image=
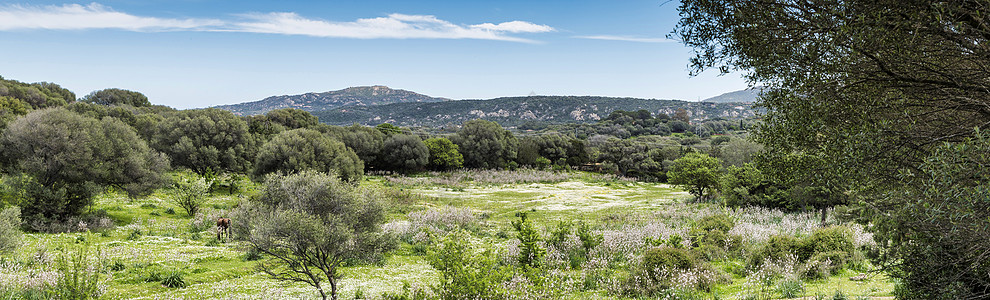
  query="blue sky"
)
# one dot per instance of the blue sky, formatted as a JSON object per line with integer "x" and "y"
{"x": 198, "y": 53}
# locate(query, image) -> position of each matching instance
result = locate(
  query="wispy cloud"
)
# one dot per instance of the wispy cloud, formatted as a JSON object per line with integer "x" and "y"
{"x": 625, "y": 38}
{"x": 394, "y": 26}
{"x": 92, "y": 16}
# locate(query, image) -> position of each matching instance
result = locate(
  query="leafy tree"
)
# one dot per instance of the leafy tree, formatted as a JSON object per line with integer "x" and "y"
{"x": 404, "y": 153}
{"x": 189, "y": 193}
{"x": 206, "y": 141}
{"x": 302, "y": 149}
{"x": 485, "y": 144}
{"x": 292, "y": 118}
{"x": 682, "y": 115}
{"x": 10, "y": 109}
{"x": 444, "y": 154}
{"x": 38, "y": 95}
{"x": 366, "y": 141}
{"x": 309, "y": 225}
{"x": 697, "y": 172}
{"x": 632, "y": 158}
{"x": 738, "y": 152}
{"x": 938, "y": 238}
{"x": 388, "y": 129}
{"x": 116, "y": 96}
{"x": 61, "y": 159}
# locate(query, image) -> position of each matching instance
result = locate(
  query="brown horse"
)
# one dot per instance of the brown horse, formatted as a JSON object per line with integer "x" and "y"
{"x": 223, "y": 228}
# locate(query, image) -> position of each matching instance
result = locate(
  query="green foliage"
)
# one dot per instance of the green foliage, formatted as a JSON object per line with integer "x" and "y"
{"x": 632, "y": 158}
{"x": 37, "y": 95}
{"x": 366, "y": 142}
{"x": 173, "y": 280}
{"x": 115, "y": 96}
{"x": 10, "y": 109}
{"x": 388, "y": 129}
{"x": 444, "y": 154}
{"x": 292, "y": 118}
{"x": 777, "y": 248}
{"x": 189, "y": 193}
{"x": 530, "y": 251}
{"x": 737, "y": 152}
{"x": 696, "y": 172}
{"x": 310, "y": 224}
{"x": 588, "y": 239}
{"x": 303, "y": 149}
{"x": 486, "y": 145}
{"x": 59, "y": 160}
{"x": 667, "y": 259}
{"x": 404, "y": 153}
{"x": 937, "y": 232}
{"x": 10, "y": 229}
{"x": 205, "y": 140}
{"x": 466, "y": 273}
{"x": 828, "y": 240}
{"x": 80, "y": 276}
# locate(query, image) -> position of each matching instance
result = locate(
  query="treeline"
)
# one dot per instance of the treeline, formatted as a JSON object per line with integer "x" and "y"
{"x": 59, "y": 152}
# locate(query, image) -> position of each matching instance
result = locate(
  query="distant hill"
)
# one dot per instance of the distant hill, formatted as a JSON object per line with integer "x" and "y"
{"x": 742, "y": 96}
{"x": 513, "y": 111}
{"x": 353, "y": 96}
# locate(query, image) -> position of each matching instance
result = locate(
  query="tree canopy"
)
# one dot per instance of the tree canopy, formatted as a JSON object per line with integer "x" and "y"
{"x": 485, "y": 144}
{"x": 205, "y": 140}
{"x": 60, "y": 159}
{"x": 114, "y": 96}
{"x": 303, "y": 149}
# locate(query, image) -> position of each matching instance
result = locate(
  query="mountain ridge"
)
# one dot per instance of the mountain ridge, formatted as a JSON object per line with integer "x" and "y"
{"x": 351, "y": 96}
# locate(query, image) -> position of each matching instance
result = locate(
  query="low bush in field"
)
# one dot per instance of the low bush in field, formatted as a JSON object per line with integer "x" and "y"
{"x": 671, "y": 270}
{"x": 823, "y": 253}
{"x": 10, "y": 229}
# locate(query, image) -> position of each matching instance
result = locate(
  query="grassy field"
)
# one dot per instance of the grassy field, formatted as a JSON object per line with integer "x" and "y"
{"x": 154, "y": 238}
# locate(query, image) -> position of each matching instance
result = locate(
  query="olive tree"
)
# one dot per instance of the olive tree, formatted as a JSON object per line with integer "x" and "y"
{"x": 207, "y": 141}
{"x": 115, "y": 96}
{"x": 404, "y": 153}
{"x": 306, "y": 149}
{"x": 485, "y": 144}
{"x": 308, "y": 225}
{"x": 60, "y": 160}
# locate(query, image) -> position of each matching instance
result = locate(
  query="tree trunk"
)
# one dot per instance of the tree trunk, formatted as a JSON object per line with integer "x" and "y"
{"x": 333, "y": 289}
{"x": 322, "y": 294}
{"x": 823, "y": 216}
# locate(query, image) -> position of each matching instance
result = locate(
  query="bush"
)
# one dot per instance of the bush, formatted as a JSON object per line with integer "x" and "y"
{"x": 190, "y": 193}
{"x": 778, "y": 247}
{"x": 10, "y": 229}
{"x": 465, "y": 274}
{"x": 721, "y": 223}
{"x": 825, "y": 240}
{"x": 666, "y": 258}
{"x": 822, "y": 265}
{"x": 80, "y": 276}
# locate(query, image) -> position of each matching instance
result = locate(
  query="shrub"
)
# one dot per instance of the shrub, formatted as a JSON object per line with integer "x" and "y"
{"x": 668, "y": 258}
{"x": 80, "y": 273}
{"x": 831, "y": 239}
{"x": 721, "y": 223}
{"x": 465, "y": 274}
{"x": 531, "y": 252}
{"x": 778, "y": 247}
{"x": 10, "y": 232}
{"x": 190, "y": 193}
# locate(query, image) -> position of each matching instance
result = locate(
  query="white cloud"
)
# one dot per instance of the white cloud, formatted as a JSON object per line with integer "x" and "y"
{"x": 625, "y": 38}
{"x": 396, "y": 26}
{"x": 514, "y": 27}
{"x": 92, "y": 16}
